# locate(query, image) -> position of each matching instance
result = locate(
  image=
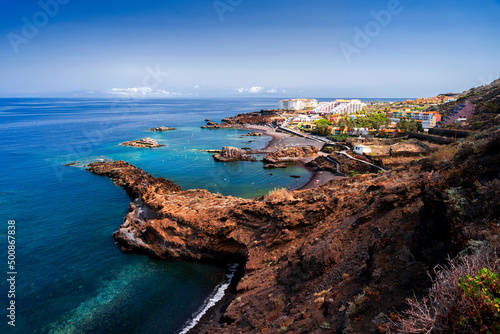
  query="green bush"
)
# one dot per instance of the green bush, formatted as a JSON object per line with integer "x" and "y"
{"x": 484, "y": 290}
{"x": 327, "y": 149}
{"x": 464, "y": 297}
{"x": 353, "y": 173}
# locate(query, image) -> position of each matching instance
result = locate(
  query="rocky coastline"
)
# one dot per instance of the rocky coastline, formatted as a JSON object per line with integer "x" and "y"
{"x": 339, "y": 258}
{"x": 263, "y": 117}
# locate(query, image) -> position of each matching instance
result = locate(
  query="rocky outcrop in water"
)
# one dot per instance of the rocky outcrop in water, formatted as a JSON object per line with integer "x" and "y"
{"x": 229, "y": 154}
{"x": 146, "y": 142}
{"x": 278, "y": 165}
{"x": 253, "y": 134}
{"x": 161, "y": 129}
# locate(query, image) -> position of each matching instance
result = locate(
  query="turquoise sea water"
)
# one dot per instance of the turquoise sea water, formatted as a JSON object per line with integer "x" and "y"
{"x": 71, "y": 277}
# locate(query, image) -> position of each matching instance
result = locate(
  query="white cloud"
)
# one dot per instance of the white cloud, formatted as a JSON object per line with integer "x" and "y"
{"x": 272, "y": 91}
{"x": 251, "y": 90}
{"x": 255, "y": 89}
{"x": 141, "y": 91}
{"x": 196, "y": 86}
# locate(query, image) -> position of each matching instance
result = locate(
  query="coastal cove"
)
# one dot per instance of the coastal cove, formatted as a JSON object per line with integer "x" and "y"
{"x": 73, "y": 278}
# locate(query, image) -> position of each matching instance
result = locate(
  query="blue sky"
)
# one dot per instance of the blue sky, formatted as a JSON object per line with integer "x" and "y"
{"x": 275, "y": 48}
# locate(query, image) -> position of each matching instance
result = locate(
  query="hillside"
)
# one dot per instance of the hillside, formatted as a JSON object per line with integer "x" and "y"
{"x": 487, "y": 101}
{"x": 335, "y": 259}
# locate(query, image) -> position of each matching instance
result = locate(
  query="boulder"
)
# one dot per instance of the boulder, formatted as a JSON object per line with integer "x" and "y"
{"x": 230, "y": 153}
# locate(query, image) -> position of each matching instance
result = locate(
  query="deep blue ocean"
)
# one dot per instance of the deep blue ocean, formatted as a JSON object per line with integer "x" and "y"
{"x": 71, "y": 277}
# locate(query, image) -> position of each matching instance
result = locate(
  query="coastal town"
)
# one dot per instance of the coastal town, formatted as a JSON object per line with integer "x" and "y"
{"x": 345, "y": 254}
{"x": 350, "y": 137}
{"x": 352, "y": 117}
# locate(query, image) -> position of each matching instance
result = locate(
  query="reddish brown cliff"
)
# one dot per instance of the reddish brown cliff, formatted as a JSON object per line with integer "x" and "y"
{"x": 335, "y": 259}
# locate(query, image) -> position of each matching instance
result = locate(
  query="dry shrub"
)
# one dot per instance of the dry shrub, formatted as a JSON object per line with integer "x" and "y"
{"x": 489, "y": 195}
{"x": 278, "y": 195}
{"x": 443, "y": 153}
{"x": 465, "y": 150}
{"x": 447, "y": 308}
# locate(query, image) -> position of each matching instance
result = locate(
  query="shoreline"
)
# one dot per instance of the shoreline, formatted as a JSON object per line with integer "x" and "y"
{"x": 316, "y": 179}
{"x": 280, "y": 139}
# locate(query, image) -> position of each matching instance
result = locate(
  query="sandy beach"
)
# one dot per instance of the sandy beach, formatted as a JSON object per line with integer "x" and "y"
{"x": 283, "y": 140}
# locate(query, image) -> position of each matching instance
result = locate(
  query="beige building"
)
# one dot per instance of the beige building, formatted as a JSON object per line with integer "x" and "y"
{"x": 298, "y": 104}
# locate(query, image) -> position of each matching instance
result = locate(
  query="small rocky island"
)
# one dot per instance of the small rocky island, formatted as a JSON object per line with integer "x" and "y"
{"x": 229, "y": 154}
{"x": 277, "y": 165}
{"x": 161, "y": 129}
{"x": 145, "y": 142}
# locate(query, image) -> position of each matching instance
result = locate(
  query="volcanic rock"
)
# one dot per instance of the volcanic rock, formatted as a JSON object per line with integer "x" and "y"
{"x": 278, "y": 165}
{"x": 230, "y": 153}
{"x": 366, "y": 242}
{"x": 263, "y": 117}
{"x": 291, "y": 154}
{"x": 146, "y": 142}
{"x": 254, "y": 134}
{"x": 161, "y": 129}
{"x": 292, "y": 245}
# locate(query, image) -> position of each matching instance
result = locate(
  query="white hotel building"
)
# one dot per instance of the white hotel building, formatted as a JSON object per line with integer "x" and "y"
{"x": 339, "y": 107}
{"x": 298, "y": 104}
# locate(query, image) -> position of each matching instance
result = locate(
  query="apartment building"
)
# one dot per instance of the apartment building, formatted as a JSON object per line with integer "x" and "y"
{"x": 339, "y": 107}
{"x": 298, "y": 104}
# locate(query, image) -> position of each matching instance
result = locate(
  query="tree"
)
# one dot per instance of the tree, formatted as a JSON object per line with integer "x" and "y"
{"x": 322, "y": 121}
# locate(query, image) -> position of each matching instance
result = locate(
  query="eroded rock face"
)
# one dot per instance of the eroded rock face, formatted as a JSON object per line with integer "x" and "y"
{"x": 229, "y": 154}
{"x": 341, "y": 237}
{"x": 161, "y": 129}
{"x": 291, "y": 154}
{"x": 146, "y": 142}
